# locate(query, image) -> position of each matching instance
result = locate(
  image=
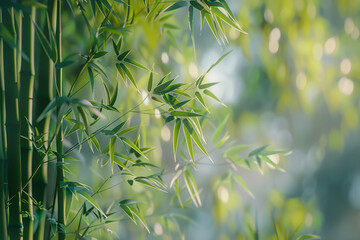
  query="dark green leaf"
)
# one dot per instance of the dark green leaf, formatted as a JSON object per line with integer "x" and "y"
{"x": 177, "y": 126}
{"x": 185, "y": 114}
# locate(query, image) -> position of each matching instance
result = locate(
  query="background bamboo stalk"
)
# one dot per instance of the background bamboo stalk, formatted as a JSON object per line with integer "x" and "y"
{"x": 13, "y": 127}
{"x": 60, "y": 136}
{"x": 44, "y": 94}
{"x": 3, "y": 198}
{"x": 26, "y": 98}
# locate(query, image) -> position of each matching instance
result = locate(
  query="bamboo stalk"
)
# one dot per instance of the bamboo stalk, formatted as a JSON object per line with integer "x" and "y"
{"x": 27, "y": 76}
{"x": 13, "y": 127}
{"x": 44, "y": 94}
{"x": 60, "y": 137}
{"x": 3, "y": 198}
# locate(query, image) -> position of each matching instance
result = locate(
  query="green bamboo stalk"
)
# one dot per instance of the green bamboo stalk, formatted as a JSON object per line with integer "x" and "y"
{"x": 44, "y": 94}
{"x": 13, "y": 128}
{"x": 3, "y": 198}
{"x": 27, "y": 76}
{"x": 60, "y": 137}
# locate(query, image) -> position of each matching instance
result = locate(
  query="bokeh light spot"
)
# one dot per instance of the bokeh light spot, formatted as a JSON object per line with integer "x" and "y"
{"x": 345, "y": 66}
{"x": 346, "y": 86}
{"x": 165, "y": 58}
{"x": 330, "y": 45}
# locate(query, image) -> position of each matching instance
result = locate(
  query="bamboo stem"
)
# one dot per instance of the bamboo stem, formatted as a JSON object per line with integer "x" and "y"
{"x": 60, "y": 137}
{"x": 27, "y": 76}
{"x": 13, "y": 127}
{"x": 3, "y": 198}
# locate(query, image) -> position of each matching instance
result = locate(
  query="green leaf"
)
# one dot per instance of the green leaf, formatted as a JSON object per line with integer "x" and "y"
{"x": 114, "y": 96}
{"x": 271, "y": 163}
{"x": 111, "y": 152}
{"x": 52, "y": 106}
{"x": 207, "y": 85}
{"x": 226, "y": 19}
{"x": 162, "y": 86}
{"x": 175, "y": 6}
{"x": 63, "y": 64}
{"x": 185, "y": 114}
{"x": 92, "y": 202}
{"x": 127, "y": 211}
{"x": 149, "y": 183}
{"x": 201, "y": 100}
{"x": 128, "y": 74}
{"x": 91, "y": 79}
{"x": 133, "y": 146}
{"x": 126, "y": 131}
{"x": 210, "y": 94}
{"x": 7, "y": 35}
{"x": 115, "y": 129}
{"x": 308, "y": 236}
{"x": 177, "y": 126}
{"x": 115, "y": 47}
{"x": 189, "y": 143}
{"x": 242, "y": 183}
{"x": 196, "y": 5}
{"x": 234, "y": 150}
{"x": 192, "y": 188}
{"x": 180, "y": 104}
{"x": 123, "y": 55}
{"x": 257, "y": 151}
{"x": 135, "y": 63}
{"x": 129, "y": 202}
{"x": 195, "y": 137}
{"x": 149, "y": 86}
{"x": 142, "y": 220}
{"x": 99, "y": 54}
{"x": 219, "y": 129}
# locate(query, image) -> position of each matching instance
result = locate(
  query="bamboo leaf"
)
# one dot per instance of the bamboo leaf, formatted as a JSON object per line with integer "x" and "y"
{"x": 133, "y": 146}
{"x": 177, "y": 126}
{"x": 195, "y": 137}
{"x": 111, "y": 152}
{"x": 126, "y": 130}
{"x": 99, "y": 54}
{"x": 196, "y": 5}
{"x": 162, "y": 86}
{"x": 201, "y": 100}
{"x": 48, "y": 48}
{"x": 185, "y": 114}
{"x": 123, "y": 55}
{"x": 115, "y": 47}
{"x": 91, "y": 79}
{"x": 115, "y": 129}
{"x": 128, "y": 74}
{"x": 189, "y": 143}
{"x": 92, "y": 202}
{"x": 142, "y": 220}
{"x": 234, "y": 150}
{"x": 180, "y": 104}
{"x": 242, "y": 183}
{"x": 127, "y": 211}
{"x": 175, "y": 6}
{"x": 219, "y": 129}
{"x": 210, "y": 94}
{"x": 207, "y": 85}
{"x": 258, "y": 150}
{"x": 135, "y": 63}
{"x": 308, "y": 236}
{"x": 149, "y": 86}
{"x": 114, "y": 96}
{"x": 226, "y": 19}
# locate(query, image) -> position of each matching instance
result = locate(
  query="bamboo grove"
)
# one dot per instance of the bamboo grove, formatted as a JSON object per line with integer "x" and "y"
{"x": 61, "y": 94}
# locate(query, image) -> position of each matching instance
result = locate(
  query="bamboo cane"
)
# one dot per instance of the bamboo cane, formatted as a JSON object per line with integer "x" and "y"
{"x": 13, "y": 127}
{"x": 60, "y": 137}
{"x": 26, "y": 98}
{"x": 3, "y": 198}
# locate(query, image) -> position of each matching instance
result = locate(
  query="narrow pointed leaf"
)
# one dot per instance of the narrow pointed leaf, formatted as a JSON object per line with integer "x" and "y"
{"x": 111, "y": 152}
{"x": 185, "y": 114}
{"x": 210, "y": 94}
{"x": 177, "y": 126}
{"x": 135, "y": 63}
{"x": 92, "y": 202}
{"x": 133, "y": 146}
{"x": 242, "y": 183}
{"x": 189, "y": 143}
